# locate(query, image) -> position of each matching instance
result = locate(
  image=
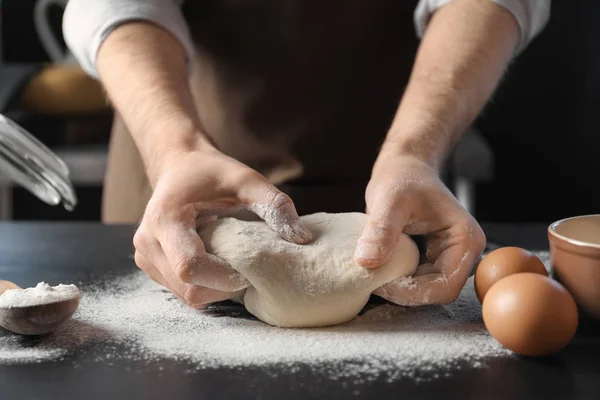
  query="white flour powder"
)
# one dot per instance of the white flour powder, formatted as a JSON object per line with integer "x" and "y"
{"x": 41, "y": 294}
{"x": 384, "y": 342}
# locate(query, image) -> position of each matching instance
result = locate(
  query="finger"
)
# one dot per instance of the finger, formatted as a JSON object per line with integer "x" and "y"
{"x": 426, "y": 269}
{"x": 152, "y": 260}
{"x": 381, "y": 232}
{"x": 190, "y": 263}
{"x": 145, "y": 247}
{"x": 276, "y": 209}
{"x": 435, "y": 287}
{"x": 150, "y": 270}
{"x": 212, "y": 272}
{"x": 413, "y": 291}
{"x": 142, "y": 262}
{"x": 193, "y": 295}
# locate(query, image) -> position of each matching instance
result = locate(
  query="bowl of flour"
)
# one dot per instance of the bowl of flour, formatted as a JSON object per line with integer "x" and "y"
{"x": 37, "y": 310}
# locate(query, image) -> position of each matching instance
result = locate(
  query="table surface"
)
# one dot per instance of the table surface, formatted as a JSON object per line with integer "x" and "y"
{"x": 30, "y": 252}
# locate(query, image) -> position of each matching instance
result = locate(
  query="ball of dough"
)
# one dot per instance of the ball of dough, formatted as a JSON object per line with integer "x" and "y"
{"x": 312, "y": 285}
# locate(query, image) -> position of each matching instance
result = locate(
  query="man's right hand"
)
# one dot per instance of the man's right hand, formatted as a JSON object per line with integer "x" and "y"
{"x": 194, "y": 186}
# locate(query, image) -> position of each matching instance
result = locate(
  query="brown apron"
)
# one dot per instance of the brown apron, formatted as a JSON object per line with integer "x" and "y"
{"x": 301, "y": 90}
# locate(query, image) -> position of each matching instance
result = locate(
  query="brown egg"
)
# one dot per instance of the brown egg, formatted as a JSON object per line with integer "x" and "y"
{"x": 503, "y": 262}
{"x": 530, "y": 314}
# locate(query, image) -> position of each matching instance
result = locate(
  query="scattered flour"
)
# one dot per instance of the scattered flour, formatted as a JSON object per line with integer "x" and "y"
{"x": 384, "y": 342}
{"x": 14, "y": 349}
{"x": 41, "y": 294}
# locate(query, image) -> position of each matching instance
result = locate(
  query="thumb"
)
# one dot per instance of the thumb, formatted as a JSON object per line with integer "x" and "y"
{"x": 381, "y": 232}
{"x": 276, "y": 209}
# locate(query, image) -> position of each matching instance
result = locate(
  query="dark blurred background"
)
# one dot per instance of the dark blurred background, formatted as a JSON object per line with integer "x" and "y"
{"x": 541, "y": 126}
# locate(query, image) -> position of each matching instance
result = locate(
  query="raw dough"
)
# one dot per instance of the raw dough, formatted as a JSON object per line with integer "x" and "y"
{"x": 305, "y": 285}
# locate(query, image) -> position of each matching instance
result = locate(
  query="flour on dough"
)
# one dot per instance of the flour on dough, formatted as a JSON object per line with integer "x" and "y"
{"x": 311, "y": 285}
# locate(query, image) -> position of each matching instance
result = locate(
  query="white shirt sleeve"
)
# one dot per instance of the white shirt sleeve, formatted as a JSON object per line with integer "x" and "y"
{"x": 87, "y": 23}
{"x": 531, "y": 16}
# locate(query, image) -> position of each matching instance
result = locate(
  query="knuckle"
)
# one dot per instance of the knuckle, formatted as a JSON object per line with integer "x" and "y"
{"x": 280, "y": 200}
{"x": 182, "y": 267}
{"x": 142, "y": 240}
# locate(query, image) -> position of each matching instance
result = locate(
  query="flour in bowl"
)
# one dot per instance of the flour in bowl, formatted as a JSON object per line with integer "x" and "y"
{"x": 43, "y": 293}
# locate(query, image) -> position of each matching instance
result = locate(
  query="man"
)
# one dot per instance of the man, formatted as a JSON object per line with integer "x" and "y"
{"x": 229, "y": 98}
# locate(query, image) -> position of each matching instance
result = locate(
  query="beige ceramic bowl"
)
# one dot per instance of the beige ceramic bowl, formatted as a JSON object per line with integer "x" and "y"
{"x": 575, "y": 257}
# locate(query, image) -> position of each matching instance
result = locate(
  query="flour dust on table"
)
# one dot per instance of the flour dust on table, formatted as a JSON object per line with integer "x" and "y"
{"x": 139, "y": 320}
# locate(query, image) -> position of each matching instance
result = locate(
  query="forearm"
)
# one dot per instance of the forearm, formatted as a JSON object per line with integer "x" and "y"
{"x": 144, "y": 71}
{"x": 462, "y": 57}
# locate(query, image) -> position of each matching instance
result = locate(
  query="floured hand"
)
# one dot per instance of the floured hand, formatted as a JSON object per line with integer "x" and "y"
{"x": 406, "y": 194}
{"x": 194, "y": 186}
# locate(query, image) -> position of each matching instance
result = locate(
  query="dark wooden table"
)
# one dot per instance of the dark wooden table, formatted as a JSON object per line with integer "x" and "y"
{"x": 30, "y": 252}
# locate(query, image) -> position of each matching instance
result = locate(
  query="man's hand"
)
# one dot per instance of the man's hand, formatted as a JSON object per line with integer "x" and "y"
{"x": 144, "y": 71}
{"x": 405, "y": 194}
{"x": 464, "y": 52}
{"x": 193, "y": 187}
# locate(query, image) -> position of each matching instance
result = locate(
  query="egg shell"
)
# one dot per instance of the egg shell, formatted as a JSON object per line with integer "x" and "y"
{"x": 530, "y": 314}
{"x": 504, "y": 262}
